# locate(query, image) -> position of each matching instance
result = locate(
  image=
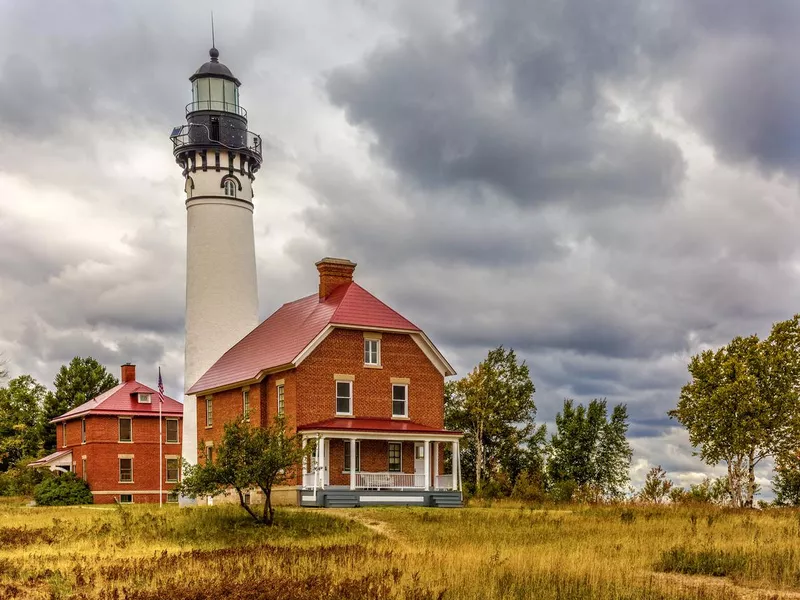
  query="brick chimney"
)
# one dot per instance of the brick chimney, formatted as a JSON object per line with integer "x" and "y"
{"x": 334, "y": 272}
{"x": 128, "y": 372}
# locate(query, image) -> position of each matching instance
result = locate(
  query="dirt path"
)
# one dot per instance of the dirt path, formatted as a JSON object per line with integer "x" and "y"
{"x": 380, "y": 527}
{"x": 747, "y": 593}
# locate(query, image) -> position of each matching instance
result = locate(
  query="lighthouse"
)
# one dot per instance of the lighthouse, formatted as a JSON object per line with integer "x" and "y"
{"x": 219, "y": 159}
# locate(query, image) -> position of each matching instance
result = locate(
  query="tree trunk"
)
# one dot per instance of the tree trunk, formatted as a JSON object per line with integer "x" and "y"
{"x": 245, "y": 505}
{"x": 732, "y": 484}
{"x": 269, "y": 512}
{"x": 478, "y": 457}
{"x": 751, "y": 479}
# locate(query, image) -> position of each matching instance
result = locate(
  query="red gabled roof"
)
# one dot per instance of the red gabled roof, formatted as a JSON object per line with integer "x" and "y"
{"x": 286, "y": 333}
{"x": 121, "y": 400}
{"x": 375, "y": 425}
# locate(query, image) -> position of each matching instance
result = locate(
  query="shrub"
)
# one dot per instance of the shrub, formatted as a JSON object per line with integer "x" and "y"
{"x": 528, "y": 488}
{"x": 20, "y": 480}
{"x": 62, "y": 490}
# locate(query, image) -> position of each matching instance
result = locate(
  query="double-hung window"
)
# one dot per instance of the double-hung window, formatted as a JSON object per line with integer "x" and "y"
{"x": 372, "y": 352}
{"x": 347, "y": 456}
{"x": 246, "y": 403}
{"x": 173, "y": 470}
{"x": 209, "y": 454}
{"x": 83, "y": 431}
{"x": 399, "y": 400}
{"x": 281, "y": 405}
{"x": 125, "y": 429}
{"x": 395, "y": 457}
{"x": 126, "y": 470}
{"x": 209, "y": 411}
{"x": 64, "y": 434}
{"x": 344, "y": 397}
{"x": 172, "y": 431}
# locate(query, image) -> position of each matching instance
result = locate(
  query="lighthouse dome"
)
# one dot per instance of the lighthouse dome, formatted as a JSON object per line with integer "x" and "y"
{"x": 214, "y": 68}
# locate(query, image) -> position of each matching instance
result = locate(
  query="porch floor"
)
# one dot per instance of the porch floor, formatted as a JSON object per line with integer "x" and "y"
{"x": 344, "y": 497}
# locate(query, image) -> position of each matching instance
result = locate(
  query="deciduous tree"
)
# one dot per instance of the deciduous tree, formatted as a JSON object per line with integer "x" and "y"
{"x": 21, "y": 420}
{"x": 248, "y": 457}
{"x": 590, "y": 450}
{"x": 493, "y": 405}
{"x": 742, "y": 404}
{"x": 76, "y": 383}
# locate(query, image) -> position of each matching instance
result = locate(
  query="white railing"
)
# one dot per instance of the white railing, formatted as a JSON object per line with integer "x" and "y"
{"x": 444, "y": 482}
{"x": 389, "y": 481}
{"x": 308, "y": 480}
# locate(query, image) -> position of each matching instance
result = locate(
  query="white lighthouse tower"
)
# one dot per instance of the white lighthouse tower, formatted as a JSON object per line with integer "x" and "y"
{"x": 219, "y": 158}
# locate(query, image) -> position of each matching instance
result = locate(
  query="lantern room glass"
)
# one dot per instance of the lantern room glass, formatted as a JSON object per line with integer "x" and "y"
{"x": 215, "y": 93}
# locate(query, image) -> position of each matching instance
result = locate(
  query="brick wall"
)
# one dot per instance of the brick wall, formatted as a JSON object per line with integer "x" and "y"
{"x": 102, "y": 450}
{"x": 342, "y": 352}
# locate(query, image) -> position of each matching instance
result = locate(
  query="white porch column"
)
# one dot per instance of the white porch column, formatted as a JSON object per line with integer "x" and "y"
{"x": 315, "y": 467}
{"x": 427, "y": 458}
{"x": 435, "y": 463}
{"x": 321, "y": 465}
{"x": 456, "y": 465}
{"x": 352, "y": 463}
{"x": 306, "y": 460}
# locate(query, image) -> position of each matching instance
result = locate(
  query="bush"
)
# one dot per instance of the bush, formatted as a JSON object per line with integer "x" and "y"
{"x": 528, "y": 488}
{"x": 20, "y": 480}
{"x": 62, "y": 490}
{"x": 562, "y": 491}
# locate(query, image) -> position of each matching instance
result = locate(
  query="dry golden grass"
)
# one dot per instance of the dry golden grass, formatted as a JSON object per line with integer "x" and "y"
{"x": 503, "y": 551}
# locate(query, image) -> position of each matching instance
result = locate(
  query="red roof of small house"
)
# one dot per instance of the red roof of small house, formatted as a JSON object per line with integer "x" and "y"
{"x": 376, "y": 425}
{"x": 123, "y": 399}
{"x": 288, "y": 331}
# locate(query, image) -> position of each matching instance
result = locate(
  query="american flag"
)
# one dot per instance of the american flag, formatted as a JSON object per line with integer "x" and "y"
{"x": 160, "y": 386}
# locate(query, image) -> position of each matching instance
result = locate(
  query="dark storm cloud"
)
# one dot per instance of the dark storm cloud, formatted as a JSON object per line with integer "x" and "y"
{"x": 513, "y": 102}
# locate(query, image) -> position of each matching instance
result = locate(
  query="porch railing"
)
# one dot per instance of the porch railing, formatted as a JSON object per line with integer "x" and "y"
{"x": 308, "y": 480}
{"x": 393, "y": 481}
{"x": 444, "y": 482}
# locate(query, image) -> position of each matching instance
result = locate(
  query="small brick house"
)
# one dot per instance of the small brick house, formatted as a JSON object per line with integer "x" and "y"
{"x": 357, "y": 380}
{"x": 112, "y": 442}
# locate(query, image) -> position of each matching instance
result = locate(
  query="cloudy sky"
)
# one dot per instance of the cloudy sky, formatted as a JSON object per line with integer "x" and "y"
{"x": 607, "y": 187}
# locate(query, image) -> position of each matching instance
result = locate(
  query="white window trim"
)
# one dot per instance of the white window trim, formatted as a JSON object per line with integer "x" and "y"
{"x": 405, "y": 413}
{"x": 144, "y": 398}
{"x": 209, "y": 402}
{"x": 166, "y": 469}
{"x": 119, "y": 431}
{"x": 119, "y": 468}
{"x": 83, "y": 468}
{"x": 177, "y": 430}
{"x": 346, "y": 465}
{"x": 280, "y": 398}
{"x": 64, "y": 434}
{"x": 123, "y": 502}
{"x": 368, "y": 340}
{"x": 83, "y": 430}
{"x": 388, "y": 450}
{"x": 246, "y": 402}
{"x": 336, "y": 398}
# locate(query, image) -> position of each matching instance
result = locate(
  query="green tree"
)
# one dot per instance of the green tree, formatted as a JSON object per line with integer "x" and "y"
{"x": 742, "y": 404}
{"x": 21, "y": 420}
{"x": 493, "y": 405}
{"x": 656, "y": 486}
{"x": 786, "y": 483}
{"x": 589, "y": 451}
{"x": 64, "y": 489}
{"x": 80, "y": 381}
{"x": 248, "y": 457}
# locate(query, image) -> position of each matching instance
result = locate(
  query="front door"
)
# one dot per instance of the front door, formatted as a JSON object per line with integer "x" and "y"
{"x": 419, "y": 464}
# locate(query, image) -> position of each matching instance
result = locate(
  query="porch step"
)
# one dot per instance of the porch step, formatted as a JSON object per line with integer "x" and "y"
{"x": 446, "y": 500}
{"x": 341, "y": 500}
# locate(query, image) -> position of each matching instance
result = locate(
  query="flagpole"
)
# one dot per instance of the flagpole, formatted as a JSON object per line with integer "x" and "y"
{"x": 160, "y": 443}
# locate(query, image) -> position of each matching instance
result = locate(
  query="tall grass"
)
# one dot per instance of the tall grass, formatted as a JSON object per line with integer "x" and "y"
{"x": 500, "y": 552}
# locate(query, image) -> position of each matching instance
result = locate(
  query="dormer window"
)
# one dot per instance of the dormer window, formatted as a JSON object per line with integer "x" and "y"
{"x": 145, "y": 399}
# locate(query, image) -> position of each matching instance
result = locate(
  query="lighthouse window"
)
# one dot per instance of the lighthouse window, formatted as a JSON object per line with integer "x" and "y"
{"x": 230, "y": 188}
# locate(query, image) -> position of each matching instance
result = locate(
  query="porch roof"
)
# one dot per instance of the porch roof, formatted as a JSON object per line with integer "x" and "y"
{"x": 376, "y": 425}
{"x": 61, "y": 457}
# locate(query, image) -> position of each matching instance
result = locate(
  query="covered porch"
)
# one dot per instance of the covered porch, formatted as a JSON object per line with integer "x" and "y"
{"x": 361, "y": 462}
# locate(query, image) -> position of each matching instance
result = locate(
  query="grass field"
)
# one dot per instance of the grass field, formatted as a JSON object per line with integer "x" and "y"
{"x": 504, "y": 551}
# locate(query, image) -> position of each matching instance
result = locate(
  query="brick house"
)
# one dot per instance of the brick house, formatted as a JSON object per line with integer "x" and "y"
{"x": 357, "y": 380}
{"x": 112, "y": 442}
